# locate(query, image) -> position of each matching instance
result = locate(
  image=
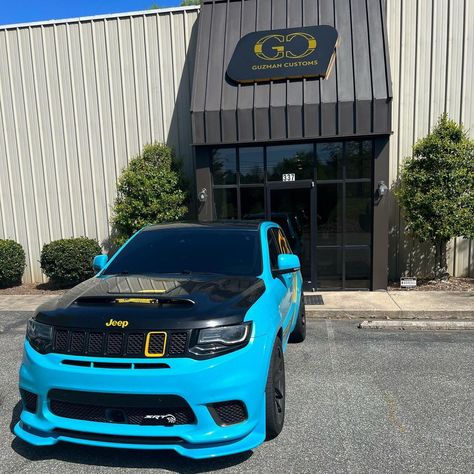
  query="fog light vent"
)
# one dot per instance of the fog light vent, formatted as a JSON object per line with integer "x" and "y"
{"x": 30, "y": 400}
{"x": 228, "y": 413}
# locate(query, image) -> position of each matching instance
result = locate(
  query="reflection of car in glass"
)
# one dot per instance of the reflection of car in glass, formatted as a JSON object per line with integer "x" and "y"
{"x": 177, "y": 343}
{"x": 290, "y": 225}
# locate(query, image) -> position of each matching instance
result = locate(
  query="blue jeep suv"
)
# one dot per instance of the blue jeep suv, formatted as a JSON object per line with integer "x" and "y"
{"x": 177, "y": 343}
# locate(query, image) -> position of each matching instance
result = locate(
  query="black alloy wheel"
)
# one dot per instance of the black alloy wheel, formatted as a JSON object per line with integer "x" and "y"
{"x": 275, "y": 392}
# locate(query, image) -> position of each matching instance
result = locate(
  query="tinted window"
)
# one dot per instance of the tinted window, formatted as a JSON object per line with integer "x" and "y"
{"x": 224, "y": 165}
{"x": 283, "y": 159}
{"x": 283, "y": 245}
{"x": 329, "y": 161}
{"x": 272, "y": 247}
{"x": 225, "y": 200}
{"x": 225, "y": 251}
{"x": 252, "y": 202}
{"x": 251, "y": 165}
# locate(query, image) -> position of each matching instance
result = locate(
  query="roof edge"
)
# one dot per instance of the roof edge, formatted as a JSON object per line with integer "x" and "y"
{"x": 61, "y": 21}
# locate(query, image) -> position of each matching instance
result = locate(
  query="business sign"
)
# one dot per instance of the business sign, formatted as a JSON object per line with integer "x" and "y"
{"x": 284, "y": 54}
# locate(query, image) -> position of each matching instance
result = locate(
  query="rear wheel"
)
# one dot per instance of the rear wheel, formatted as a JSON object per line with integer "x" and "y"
{"x": 275, "y": 392}
{"x": 299, "y": 333}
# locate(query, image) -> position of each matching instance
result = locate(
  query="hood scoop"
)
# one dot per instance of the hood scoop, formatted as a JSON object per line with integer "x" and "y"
{"x": 133, "y": 299}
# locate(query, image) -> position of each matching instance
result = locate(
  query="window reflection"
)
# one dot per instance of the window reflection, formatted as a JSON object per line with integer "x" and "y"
{"x": 329, "y": 214}
{"x": 251, "y": 165}
{"x": 358, "y": 214}
{"x": 359, "y": 159}
{"x": 224, "y": 165}
{"x": 329, "y": 160}
{"x": 283, "y": 159}
{"x": 329, "y": 272}
{"x": 225, "y": 200}
{"x": 358, "y": 268}
{"x": 252, "y": 203}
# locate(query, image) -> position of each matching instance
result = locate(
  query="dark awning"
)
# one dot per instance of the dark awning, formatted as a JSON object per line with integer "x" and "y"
{"x": 354, "y": 100}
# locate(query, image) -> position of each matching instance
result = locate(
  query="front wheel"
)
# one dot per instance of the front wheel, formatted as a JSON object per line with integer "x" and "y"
{"x": 299, "y": 333}
{"x": 275, "y": 392}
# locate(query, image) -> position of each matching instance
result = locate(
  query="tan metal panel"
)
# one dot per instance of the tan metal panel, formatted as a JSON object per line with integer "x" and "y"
{"x": 78, "y": 99}
{"x": 432, "y": 59}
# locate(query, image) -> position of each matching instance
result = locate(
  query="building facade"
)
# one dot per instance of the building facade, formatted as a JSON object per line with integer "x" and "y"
{"x": 79, "y": 98}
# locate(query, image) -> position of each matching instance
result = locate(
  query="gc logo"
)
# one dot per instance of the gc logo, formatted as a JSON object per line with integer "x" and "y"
{"x": 280, "y": 42}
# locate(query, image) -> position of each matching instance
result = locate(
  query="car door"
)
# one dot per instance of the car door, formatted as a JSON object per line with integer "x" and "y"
{"x": 291, "y": 281}
{"x": 281, "y": 284}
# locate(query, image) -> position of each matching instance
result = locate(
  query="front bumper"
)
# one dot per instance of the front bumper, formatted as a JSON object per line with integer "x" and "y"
{"x": 240, "y": 375}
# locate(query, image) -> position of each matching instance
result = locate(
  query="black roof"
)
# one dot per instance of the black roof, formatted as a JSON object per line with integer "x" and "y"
{"x": 222, "y": 224}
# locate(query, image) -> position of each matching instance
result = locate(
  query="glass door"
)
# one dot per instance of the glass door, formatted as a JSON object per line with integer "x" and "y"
{"x": 343, "y": 257}
{"x": 289, "y": 205}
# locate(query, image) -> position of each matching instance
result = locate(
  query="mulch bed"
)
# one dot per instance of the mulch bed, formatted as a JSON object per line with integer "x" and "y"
{"x": 453, "y": 284}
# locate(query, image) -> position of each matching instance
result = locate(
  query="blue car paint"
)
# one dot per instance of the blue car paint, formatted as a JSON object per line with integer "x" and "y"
{"x": 239, "y": 375}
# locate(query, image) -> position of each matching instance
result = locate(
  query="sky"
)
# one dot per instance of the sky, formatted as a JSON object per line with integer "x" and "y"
{"x": 22, "y": 11}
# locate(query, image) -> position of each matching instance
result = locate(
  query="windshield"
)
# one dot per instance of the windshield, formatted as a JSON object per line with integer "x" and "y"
{"x": 184, "y": 251}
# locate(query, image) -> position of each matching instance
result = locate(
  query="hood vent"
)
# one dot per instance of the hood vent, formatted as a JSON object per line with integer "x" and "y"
{"x": 142, "y": 298}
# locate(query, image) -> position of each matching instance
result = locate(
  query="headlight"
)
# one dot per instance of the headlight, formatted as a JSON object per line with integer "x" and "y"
{"x": 39, "y": 335}
{"x": 221, "y": 340}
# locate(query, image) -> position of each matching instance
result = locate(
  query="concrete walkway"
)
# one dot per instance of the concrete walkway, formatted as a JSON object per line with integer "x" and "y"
{"x": 342, "y": 304}
{"x": 394, "y": 305}
{"x": 23, "y": 302}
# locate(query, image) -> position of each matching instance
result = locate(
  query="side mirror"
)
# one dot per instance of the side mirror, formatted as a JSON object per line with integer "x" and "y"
{"x": 287, "y": 263}
{"x": 99, "y": 262}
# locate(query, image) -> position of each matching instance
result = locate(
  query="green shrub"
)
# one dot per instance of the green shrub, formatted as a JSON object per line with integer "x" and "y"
{"x": 12, "y": 263}
{"x": 67, "y": 262}
{"x": 436, "y": 188}
{"x": 149, "y": 191}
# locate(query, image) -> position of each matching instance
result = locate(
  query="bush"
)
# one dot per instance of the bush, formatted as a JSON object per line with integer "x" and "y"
{"x": 436, "y": 188}
{"x": 149, "y": 191}
{"x": 12, "y": 263}
{"x": 67, "y": 262}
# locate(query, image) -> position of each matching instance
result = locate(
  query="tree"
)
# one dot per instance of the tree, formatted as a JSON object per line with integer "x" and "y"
{"x": 149, "y": 191}
{"x": 188, "y": 3}
{"x": 436, "y": 189}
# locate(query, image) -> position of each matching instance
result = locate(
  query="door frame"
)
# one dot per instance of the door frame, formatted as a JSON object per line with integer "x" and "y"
{"x": 300, "y": 184}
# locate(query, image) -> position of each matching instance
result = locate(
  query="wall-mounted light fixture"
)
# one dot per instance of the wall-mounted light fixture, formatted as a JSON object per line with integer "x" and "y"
{"x": 202, "y": 195}
{"x": 382, "y": 189}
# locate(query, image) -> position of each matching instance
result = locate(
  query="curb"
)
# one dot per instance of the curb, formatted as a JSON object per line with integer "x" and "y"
{"x": 418, "y": 325}
{"x": 327, "y": 313}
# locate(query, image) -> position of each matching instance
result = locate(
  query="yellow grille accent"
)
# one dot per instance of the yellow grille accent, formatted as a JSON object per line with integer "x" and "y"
{"x": 147, "y": 344}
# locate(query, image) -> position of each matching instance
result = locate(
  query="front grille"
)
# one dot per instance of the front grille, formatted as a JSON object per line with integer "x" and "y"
{"x": 77, "y": 342}
{"x": 114, "y": 343}
{"x": 155, "y": 345}
{"x": 228, "y": 413}
{"x": 177, "y": 344}
{"x": 120, "y": 344}
{"x": 30, "y": 400}
{"x": 135, "y": 344}
{"x": 119, "y": 408}
{"x": 96, "y": 343}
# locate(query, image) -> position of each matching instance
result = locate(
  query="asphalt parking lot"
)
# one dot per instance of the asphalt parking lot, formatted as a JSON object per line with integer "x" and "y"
{"x": 357, "y": 401}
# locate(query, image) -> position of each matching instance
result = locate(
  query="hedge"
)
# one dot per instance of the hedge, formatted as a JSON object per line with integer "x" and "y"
{"x": 67, "y": 262}
{"x": 12, "y": 263}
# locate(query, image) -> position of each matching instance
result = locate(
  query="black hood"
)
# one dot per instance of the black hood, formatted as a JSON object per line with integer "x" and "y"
{"x": 163, "y": 302}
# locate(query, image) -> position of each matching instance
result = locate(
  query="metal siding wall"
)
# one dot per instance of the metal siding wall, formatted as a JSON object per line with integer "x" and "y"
{"x": 432, "y": 58}
{"x": 78, "y": 99}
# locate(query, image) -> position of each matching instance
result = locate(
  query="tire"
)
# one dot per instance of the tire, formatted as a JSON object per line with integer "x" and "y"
{"x": 299, "y": 333}
{"x": 275, "y": 392}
